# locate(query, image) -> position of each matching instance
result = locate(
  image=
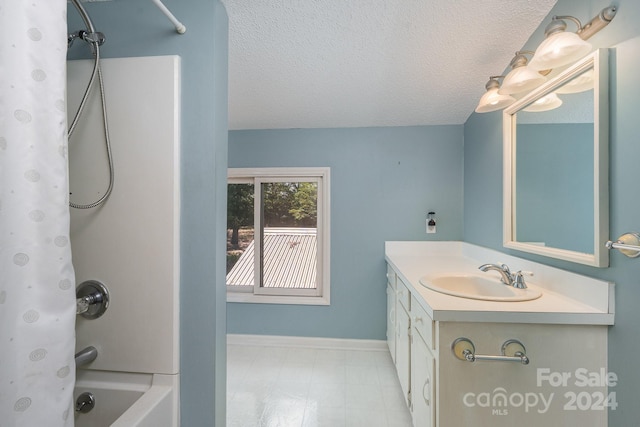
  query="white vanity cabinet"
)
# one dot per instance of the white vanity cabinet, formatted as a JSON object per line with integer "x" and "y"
{"x": 566, "y": 382}
{"x": 413, "y": 345}
{"x": 391, "y": 313}
{"x": 422, "y": 367}
{"x": 403, "y": 339}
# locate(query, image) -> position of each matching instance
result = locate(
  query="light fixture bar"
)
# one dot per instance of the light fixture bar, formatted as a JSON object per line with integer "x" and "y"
{"x": 600, "y": 21}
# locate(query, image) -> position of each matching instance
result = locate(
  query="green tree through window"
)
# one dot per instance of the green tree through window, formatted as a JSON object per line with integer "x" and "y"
{"x": 290, "y": 204}
{"x": 239, "y": 209}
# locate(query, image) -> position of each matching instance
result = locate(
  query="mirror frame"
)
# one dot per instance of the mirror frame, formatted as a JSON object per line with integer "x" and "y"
{"x": 598, "y": 60}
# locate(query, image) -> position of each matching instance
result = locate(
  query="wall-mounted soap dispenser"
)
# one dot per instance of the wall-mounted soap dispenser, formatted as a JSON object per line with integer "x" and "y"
{"x": 431, "y": 223}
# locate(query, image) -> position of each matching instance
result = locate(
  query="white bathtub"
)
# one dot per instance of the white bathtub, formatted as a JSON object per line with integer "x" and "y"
{"x": 128, "y": 399}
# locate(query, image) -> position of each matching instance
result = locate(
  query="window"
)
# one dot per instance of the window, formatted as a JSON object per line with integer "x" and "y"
{"x": 278, "y": 235}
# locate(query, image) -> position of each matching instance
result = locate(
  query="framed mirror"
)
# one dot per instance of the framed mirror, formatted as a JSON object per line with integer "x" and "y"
{"x": 556, "y": 159}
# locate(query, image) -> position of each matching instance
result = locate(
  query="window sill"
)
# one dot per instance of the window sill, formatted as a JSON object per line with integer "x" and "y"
{"x": 244, "y": 297}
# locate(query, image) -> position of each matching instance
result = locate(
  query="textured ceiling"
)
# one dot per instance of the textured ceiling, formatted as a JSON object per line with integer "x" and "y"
{"x": 360, "y": 63}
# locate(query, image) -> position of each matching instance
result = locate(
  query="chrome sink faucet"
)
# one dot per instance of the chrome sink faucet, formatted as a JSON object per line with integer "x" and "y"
{"x": 507, "y": 277}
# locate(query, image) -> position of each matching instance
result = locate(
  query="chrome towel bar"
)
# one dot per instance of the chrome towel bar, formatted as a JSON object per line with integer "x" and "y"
{"x": 628, "y": 244}
{"x": 512, "y": 351}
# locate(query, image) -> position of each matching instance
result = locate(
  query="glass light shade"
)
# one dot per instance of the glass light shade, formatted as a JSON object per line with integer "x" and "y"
{"x": 546, "y": 103}
{"x": 581, "y": 83}
{"x": 493, "y": 101}
{"x": 559, "y": 49}
{"x": 521, "y": 79}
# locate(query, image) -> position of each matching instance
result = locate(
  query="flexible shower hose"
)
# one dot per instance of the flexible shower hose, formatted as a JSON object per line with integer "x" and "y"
{"x": 95, "y": 48}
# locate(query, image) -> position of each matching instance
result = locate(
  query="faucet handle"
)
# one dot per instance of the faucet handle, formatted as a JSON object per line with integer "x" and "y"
{"x": 518, "y": 281}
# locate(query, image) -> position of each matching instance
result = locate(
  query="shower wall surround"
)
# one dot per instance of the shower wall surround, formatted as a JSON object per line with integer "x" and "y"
{"x": 137, "y": 28}
{"x": 131, "y": 244}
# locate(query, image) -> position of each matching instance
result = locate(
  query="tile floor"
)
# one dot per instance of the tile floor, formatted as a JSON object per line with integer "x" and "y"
{"x": 303, "y": 387}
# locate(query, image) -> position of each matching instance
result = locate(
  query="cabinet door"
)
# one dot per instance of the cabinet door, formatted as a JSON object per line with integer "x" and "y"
{"x": 422, "y": 383}
{"x": 403, "y": 352}
{"x": 391, "y": 321}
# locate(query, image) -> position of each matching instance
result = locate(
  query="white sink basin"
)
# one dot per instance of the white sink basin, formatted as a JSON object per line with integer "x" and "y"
{"x": 477, "y": 287}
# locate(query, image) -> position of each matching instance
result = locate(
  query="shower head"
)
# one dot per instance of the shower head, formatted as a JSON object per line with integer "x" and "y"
{"x": 92, "y": 38}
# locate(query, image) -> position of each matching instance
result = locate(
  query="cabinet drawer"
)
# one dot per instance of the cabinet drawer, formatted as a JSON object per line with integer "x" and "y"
{"x": 422, "y": 323}
{"x": 404, "y": 296}
{"x": 391, "y": 276}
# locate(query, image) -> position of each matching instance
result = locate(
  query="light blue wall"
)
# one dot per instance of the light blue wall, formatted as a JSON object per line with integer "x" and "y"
{"x": 138, "y": 28}
{"x": 483, "y": 185}
{"x": 383, "y": 182}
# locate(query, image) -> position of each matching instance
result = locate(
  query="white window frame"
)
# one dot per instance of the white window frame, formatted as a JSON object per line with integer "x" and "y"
{"x": 257, "y": 294}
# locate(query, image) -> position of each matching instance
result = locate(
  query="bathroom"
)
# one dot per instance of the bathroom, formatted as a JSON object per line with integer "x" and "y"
{"x": 452, "y": 167}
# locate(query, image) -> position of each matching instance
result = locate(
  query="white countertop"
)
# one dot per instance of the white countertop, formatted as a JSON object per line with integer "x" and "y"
{"x": 567, "y": 298}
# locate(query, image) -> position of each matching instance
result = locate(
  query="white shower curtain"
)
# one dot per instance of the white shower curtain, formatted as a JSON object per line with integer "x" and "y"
{"x": 37, "y": 283}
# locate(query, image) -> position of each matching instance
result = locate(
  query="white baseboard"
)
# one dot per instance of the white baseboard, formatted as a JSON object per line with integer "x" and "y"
{"x": 307, "y": 342}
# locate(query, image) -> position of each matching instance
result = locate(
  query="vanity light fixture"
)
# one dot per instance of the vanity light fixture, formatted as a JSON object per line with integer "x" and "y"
{"x": 521, "y": 78}
{"x": 562, "y": 47}
{"x": 546, "y": 103}
{"x": 557, "y": 49}
{"x": 492, "y": 100}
